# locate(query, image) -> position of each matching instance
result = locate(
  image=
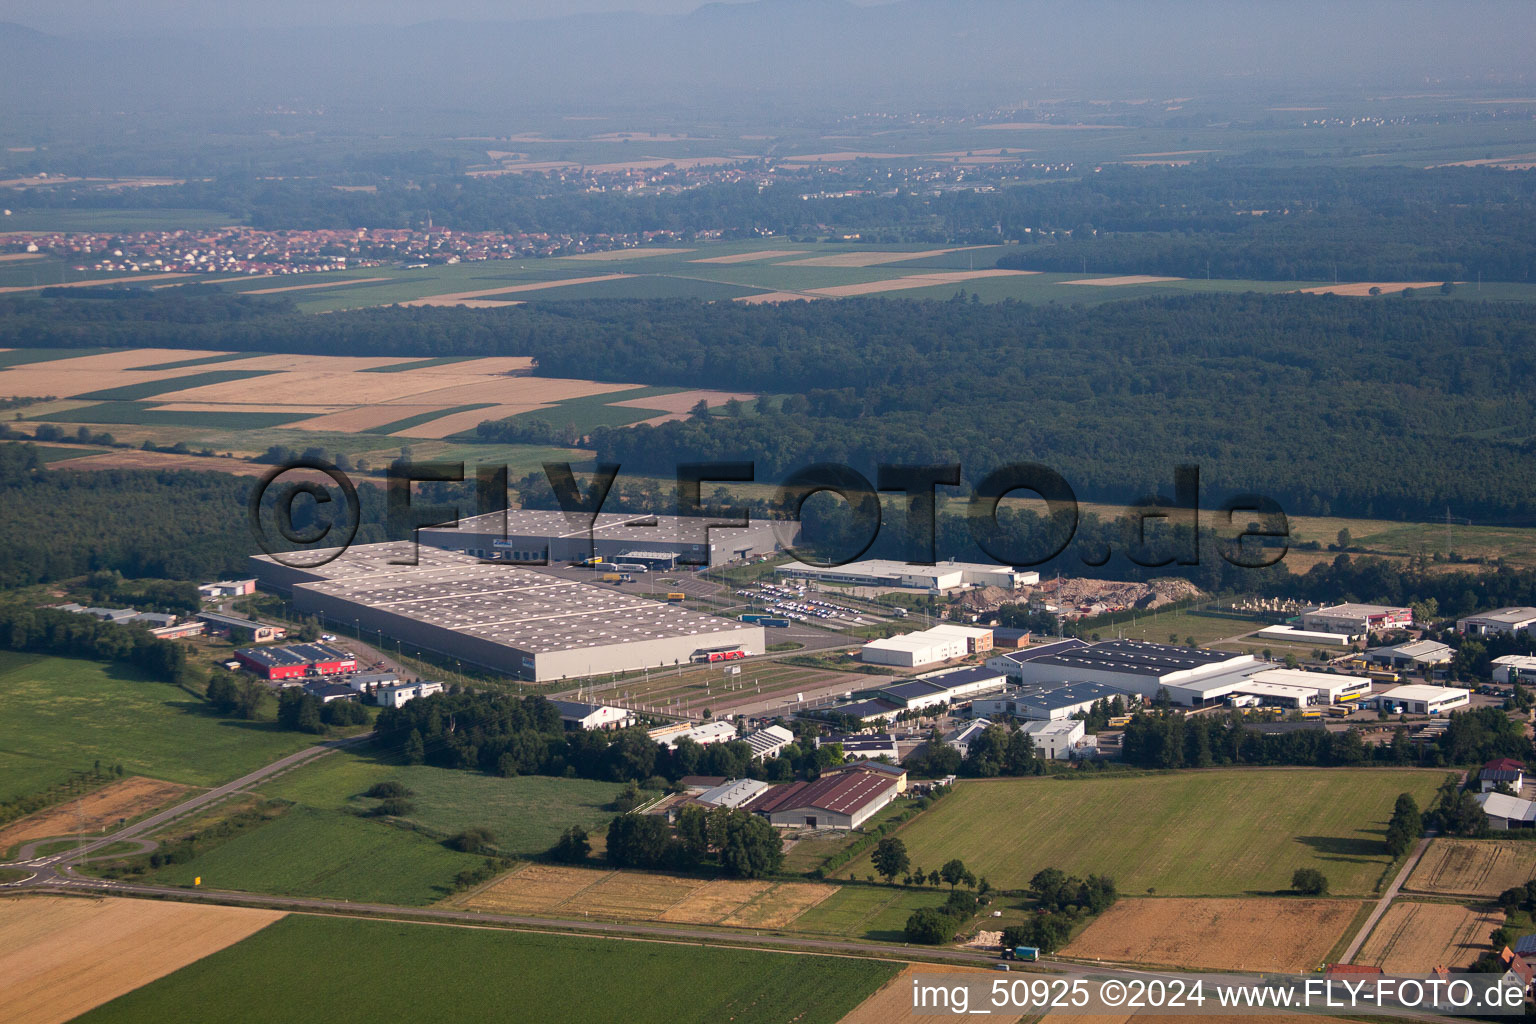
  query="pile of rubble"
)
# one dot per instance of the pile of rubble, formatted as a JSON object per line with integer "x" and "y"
{"x": 1115, "y": 595}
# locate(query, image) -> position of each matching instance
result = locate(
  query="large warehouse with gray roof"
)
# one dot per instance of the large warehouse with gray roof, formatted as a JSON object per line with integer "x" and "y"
{"x": 532, "y": 535}
{"x": 517, "y": 620}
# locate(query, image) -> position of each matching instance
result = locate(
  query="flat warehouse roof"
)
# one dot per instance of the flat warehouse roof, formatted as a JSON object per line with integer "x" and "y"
{"x": 520, "y": 607}
{"x": 1425, "y": 692}
{"x": 638, "y": 528}
{"x": 1139, "y": 657}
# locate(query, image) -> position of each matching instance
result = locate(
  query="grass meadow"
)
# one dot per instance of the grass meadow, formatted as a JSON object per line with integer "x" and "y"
{"x": 59, "y": 715}
{"x": 449, "y": 975}
{"x": 1193, "y": 833}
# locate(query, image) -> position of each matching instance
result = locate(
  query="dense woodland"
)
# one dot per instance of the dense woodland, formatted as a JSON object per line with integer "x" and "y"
{"x": 1385, "y": 409}
{"x": 1232, "y": 217}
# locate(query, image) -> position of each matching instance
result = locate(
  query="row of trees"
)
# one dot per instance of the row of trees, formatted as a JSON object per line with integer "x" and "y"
{"x": 1063, "y": 901}
{"x": 734, "y": 841}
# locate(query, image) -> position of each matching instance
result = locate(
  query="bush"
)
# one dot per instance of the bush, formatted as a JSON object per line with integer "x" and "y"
{"x": 929, "y": 926}
{"x": 573, "y": 847}
{"x": 1310, "y": 882}
{"x": 394, "y": 807}
{"x": 474, "y": 840}
{"x": 388, "y": 788}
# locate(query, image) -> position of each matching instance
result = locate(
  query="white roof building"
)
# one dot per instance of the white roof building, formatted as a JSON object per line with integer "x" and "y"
{"x": 732, "y": 793}
{"x": 1055, "y": 739}
{"x": 1514, "y": 668}
{"x": 576, "y": 714}
{"x": 767, "y": 742}
{"x": 1500, "y": 622}
{"x": 1355, "y": 619}
{"x": 393, "y": 695}
{"x": 961, "y": 738}
{"x": 1506, "y": 812}
{"x": 1423, "y": 699}
{"x": 942, "y": 576}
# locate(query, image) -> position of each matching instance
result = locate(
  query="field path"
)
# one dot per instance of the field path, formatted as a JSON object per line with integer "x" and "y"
{"x": 1386, "y": 900}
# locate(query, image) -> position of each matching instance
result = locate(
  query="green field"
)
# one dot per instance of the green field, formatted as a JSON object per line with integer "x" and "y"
{"x": 58, "y": 715}
{"x": 527, "y": 813}
{"x": 596, "y": 411}
{"x": 53, "y": 453}
{"x": 1197, "y": 833}
{"x": 875, "y": 912}
{"x": 415, "y": 364}
{"x": 328, "y": 854}
{"x": 182, "y": 364}
{"x": 27, "y": 356}
{"x": 296, "y": 972}
{"x": 144, "y": 414}
{"x": 1159, "y": 627}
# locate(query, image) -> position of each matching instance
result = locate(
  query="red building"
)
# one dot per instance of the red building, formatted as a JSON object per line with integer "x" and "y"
{"x": 296, "y": 661}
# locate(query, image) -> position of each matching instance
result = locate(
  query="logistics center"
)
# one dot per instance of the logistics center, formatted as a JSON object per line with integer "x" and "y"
{"x": 529, "y": 624}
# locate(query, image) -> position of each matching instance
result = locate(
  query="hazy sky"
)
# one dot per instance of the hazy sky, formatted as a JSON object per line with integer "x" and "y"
{"x": 67, "y": 16}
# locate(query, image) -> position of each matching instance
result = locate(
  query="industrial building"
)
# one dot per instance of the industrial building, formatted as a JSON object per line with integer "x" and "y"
{"x": 768, "y": 741}
{"x": 670, "y": 736}
{"x": 1290, "y": 634}
{"x": 1310, "y": 687}
{"x": 1500, "y": 622}
{"x": 731, "y": 793}
{"x": 394, "y": 695}
{"x": 962, "y": 737}
{"x": 538, "y": 536}
{"x": 882, "y": 768}
{"x": 1415, "y": 656}
{"x": 237, "y": 628}
{"x": 1055, "y": 740}
{"x": 938, "y": 578}
{"x": 1049, "y": 702}
{"x": 575, "y": 714}
{"x": 863, "y": 746}
{"x": 297, "y": 661}
{"x": 226, "y": 588}
{"x": 841, "y": 801}
{"x": 1507, "y": 812}
{"x": 517, "y": 620}
{"x": 1514, "y": 668}
{"x": 1356, "y": 619}
{"x": 1008, "y": 664}
{"x": 1421, "y": 699}
{"x": 929, "y": 646}
{"x": 940, "y": 687}
{"x": 867, "y": 711}
{"x": 1195, "y": 677}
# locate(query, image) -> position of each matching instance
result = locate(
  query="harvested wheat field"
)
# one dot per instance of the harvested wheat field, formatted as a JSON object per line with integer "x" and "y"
{"x": 625, "y": 254}
{"x": 319, "y": 386}
{"x": 1473, "y": 867}
{"x": 1113, "y": 282}
{"x": 714, "y": 902}
{"x": 318, "y": 284}
{"x": 892, "y": 1003}
{"x": 896, "y": 284}
{"x": 60, "y": 957}
{"x": 510, "y": 390}
{"x": 630, "y": 894}
{"x": 762, "y": 297}
{"x": 252, "y": 406}
{"x": 748, "y": 257}
{"x": 533, "y": 889}
{"x": 780, "y": 905}
{"x": 1217, "y": 934}
{"x": 1413, "y": 938}
{"x": 90, "y": 813}
{"x": 450, "y": 298}
{"x": 873, "y": 259}
{"x": 458, "y": 422}
{"x": 1359, "y": 288}
{"x": 332, "y": 364}
{"x": 678, "y": 404}
{"x": 11, "y": 257}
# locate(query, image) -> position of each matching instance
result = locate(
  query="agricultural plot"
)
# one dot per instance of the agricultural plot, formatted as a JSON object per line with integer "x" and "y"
{"x": 892, "y": 1004}
{"x": 1415, "y": 938}
{"x": 60, "y": 957}
{"x": 61, "y": 714}
{"x": 867, "y": 911}
{"x": 526, "y": 813}
{"x": 1217, "y": 934}
{"x": 561, "y": 891}
{"x": 1192, "y": 833}
{"x": 447, "y": 975}
{"x": 1479, "y": 868}
{"x": 329, "y": 854}
{"x": 92, "y": 812}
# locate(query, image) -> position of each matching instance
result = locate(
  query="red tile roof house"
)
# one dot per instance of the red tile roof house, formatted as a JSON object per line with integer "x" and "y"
{"x": 842, "y": 801}
{"x": 1499, "y": 770}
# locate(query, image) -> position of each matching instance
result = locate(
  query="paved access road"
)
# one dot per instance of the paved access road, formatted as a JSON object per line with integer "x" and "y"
{"x": 56, "y": 865}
